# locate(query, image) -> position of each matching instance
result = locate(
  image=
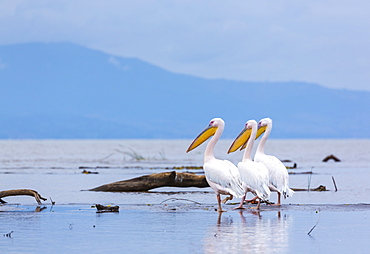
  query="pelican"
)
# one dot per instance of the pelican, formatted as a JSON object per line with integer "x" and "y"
{"x": 221, "y": 175}
{"x": 278, "y": 174}
{"x": 254, "y": 175}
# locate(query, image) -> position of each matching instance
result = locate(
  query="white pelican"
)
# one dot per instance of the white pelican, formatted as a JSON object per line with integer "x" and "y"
{"x": 254, "y": 175}
{"x": 221, "y": 175}
{"x": 278, "y": 174}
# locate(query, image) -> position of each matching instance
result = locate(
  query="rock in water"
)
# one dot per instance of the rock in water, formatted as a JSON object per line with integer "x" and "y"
{"x": 107, "y": 209}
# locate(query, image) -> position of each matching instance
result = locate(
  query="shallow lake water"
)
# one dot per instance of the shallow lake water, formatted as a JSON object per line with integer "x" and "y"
{"x": 182, "y": 220}
{"x": 180, "y": 229}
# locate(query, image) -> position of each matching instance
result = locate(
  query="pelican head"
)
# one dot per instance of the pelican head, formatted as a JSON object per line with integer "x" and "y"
{"x": 262, "y": 126}
{"x": 243, "y": 137}
{"x": 208, "y": 132}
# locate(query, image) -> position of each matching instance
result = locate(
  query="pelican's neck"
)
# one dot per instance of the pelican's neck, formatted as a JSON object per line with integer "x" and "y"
{"x": 250, "y": 143}
{"x": 261, "y": 145}
{"x": 209, "y": 152}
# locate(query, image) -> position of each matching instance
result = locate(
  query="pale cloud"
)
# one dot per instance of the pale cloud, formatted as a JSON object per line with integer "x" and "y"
{"x": 326, "y": 42}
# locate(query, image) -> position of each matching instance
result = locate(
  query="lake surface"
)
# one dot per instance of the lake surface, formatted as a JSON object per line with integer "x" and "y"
{"x": 184, "y": 220}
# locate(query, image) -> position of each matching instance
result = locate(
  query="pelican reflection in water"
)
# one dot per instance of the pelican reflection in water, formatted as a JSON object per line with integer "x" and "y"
{"x": 249, "y": 231}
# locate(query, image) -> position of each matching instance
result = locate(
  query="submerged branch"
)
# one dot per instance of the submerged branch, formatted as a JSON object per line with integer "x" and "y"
{"x": 309, "y": 232}
{"x": 185, "y": 199}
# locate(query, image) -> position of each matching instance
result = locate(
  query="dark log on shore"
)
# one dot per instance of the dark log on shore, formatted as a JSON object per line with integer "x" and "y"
{"x": 165, "y": 179}
{"x": 320, "y": 188}
{"x": 21, "y": 192}
{"x": 294, "y": 165}
{"x": 148, "y": 182}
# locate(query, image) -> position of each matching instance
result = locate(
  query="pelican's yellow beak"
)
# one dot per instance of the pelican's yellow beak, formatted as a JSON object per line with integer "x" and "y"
{"x": 241, "y": 140}
{"x": 203, "y": 136}
{"x": 260, "y": 131}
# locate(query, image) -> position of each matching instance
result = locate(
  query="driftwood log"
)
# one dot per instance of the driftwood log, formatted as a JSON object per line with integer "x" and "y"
{"x": 320, "y": 188}
{"x": 21, "y": 192}
{"x": 148, "y": 182}
{"x": 166, "y": 179}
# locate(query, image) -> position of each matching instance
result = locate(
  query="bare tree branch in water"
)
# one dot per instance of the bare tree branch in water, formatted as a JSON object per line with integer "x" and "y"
{"x": 21, "y": 192}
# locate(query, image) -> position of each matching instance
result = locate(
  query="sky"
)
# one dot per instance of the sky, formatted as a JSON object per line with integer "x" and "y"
{"x": 326, "y": 42}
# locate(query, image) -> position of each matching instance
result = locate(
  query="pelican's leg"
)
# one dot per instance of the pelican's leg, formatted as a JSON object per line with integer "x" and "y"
{"x": 230, "y": 197}
{"x": 279, "y": 198}
{"x": 219, "y": 204}
{"x": 251, "y": 200}
{"x": 241, "y": 203}
{"x": 258, "y": 205}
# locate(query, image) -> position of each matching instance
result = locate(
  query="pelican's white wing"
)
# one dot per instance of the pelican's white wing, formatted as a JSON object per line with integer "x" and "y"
{"x": 255, "y": 177}
{"x": 278, "y": 173}
{"x": 225, "y": 176}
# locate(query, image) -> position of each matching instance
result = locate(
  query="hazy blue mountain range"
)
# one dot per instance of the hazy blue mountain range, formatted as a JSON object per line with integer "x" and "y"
{"x": 62, "y": 90}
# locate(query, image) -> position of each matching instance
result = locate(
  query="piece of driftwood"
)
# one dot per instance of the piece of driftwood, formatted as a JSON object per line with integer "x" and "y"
{"x": 331, "y": 157}
{"x": 320, "y": 188}
{"x": 89, "y": 172}
{"x": 107, "y": 209}
{"x": 21, "y": 192}
{"x": 166, "y": 179}
{"x": 294, "y": 165}
{"x": 300, "y": 173}
{"x": 148, "y": 182}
